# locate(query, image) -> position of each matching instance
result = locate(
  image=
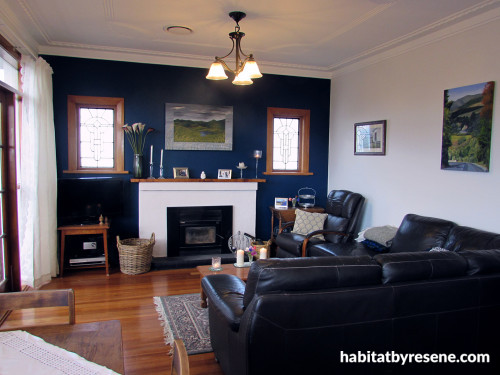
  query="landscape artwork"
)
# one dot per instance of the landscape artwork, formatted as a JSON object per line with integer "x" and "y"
{"x": 467, "y": 120}
{"x": 198, "y": 127}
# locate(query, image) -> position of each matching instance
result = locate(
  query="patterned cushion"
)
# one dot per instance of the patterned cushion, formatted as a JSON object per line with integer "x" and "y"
{"x": 307, "y": 222}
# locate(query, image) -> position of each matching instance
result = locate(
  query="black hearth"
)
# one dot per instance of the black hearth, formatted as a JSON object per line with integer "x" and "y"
{"x": 198, "y": 230}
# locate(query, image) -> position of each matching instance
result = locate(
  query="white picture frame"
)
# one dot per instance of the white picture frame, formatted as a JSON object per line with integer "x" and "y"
{"x": 224, "y": 174}
{"x": 281, "y": 203}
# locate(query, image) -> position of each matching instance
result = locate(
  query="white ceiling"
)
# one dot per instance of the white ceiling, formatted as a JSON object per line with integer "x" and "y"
{"x": 316, "y": 38}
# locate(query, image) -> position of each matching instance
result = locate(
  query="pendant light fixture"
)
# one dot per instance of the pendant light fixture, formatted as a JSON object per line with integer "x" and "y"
{"x": 246, "y": 66}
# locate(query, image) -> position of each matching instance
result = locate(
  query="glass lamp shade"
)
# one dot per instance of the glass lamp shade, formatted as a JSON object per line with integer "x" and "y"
{"x": 216, "y": 72}
{"x": 252, "y": 69}
{"x": 242, "y": 79}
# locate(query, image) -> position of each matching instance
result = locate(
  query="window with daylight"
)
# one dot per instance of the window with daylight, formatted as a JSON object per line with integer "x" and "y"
{"x": 95, "y": 134}
{"x": 287, "y": 141}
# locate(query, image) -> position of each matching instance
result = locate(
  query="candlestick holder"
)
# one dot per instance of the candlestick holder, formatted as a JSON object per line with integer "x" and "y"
{"x": 161, "y": 172}
{"x": 151, "y": 172}
{"x": 241, "y": 166}
{"x": 257, "y": 154}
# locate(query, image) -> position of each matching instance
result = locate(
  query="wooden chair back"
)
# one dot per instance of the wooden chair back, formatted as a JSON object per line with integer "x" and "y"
{"x": 40, "y": 298}
{"x": 180, "y": 362}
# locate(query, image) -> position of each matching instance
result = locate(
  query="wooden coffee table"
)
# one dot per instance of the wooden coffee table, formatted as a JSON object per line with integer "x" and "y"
{"x": 227, "y": 269}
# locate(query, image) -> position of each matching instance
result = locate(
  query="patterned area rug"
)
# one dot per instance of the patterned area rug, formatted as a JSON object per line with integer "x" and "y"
{"x": 183, "y": 318}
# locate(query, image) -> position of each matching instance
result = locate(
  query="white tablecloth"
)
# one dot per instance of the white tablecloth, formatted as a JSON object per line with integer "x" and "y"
{"x": 23, "y": 353}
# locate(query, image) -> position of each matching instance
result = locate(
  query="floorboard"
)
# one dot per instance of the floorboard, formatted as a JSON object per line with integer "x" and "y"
{"x": 128, "y": 298}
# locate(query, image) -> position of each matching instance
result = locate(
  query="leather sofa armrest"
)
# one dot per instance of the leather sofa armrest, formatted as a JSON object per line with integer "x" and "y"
{"x": 312, "y": 234}
{"x": 225, "y": 296}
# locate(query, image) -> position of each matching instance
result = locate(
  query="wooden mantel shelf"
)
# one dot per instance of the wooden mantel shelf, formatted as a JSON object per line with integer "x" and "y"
{"x": 197, "y": 180}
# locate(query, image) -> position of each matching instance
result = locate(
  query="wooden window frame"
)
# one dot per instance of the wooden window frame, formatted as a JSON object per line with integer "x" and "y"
{"x": 74, "y": 104}
{"x": 304, "y": 116}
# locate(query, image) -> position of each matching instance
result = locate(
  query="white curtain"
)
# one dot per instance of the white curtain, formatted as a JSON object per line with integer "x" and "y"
{"x": 38, "y": 176}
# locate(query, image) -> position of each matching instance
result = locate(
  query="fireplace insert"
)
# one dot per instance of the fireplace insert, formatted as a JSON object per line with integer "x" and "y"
{"x": 198, "y": 230}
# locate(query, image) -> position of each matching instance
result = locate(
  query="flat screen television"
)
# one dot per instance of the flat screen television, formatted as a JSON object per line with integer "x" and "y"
{"x": 83, "y": 200}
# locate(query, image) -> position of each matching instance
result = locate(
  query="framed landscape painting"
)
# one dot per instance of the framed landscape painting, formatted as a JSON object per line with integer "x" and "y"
{"x": 198, "y": 127}
{"x": 467, "y": 120}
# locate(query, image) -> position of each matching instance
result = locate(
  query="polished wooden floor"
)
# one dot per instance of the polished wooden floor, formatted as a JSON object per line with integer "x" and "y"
{"x": 128, "y": 298}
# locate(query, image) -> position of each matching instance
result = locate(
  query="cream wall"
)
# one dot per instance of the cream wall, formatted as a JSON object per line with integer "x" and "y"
{"x": 407, "y": 91}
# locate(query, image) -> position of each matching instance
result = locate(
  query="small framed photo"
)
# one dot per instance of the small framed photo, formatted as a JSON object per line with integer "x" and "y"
{"x": 369, "y": 138}
{"x": 181, "y": 172}
{"x": 281, "y": 203}
{"x": 224, "y": 174}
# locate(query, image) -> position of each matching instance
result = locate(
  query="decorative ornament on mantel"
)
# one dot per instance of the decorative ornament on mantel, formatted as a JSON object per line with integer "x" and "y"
{"x": 246, "y": 69}
{"x": 136, "y": 134}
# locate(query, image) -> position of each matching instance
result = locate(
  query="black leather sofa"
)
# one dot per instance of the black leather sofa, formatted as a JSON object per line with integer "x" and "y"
{"x": 417, "y": 233}
{"x": 297, "y": 316}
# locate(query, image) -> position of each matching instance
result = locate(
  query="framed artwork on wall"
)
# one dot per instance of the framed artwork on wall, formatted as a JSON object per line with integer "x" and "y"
{"x": 198, "y": 127}
{"x": 369, "y": 138}
{"x": 467, "y": 121}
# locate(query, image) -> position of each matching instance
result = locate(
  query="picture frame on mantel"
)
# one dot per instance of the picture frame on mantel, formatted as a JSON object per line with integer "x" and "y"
{"x": 198, "y": 127}
{"x": 224, "y": 174}
{"x": 369, "y": 137}
{"x": 181, "y": 172}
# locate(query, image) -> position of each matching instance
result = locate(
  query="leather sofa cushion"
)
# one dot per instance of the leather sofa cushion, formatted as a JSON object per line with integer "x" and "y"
{"x": 305, "y": 274}
{"x": 420, "y": 233}
{"x": 292, "y": 242}
{"x": 465, "y": 238}
{"x": 340, "y": 249}
{"x": 338, "y": 224}
{"x": 423, "y": 265}
{"x": 482, "y": 262}
{"x": 341, "y": 205}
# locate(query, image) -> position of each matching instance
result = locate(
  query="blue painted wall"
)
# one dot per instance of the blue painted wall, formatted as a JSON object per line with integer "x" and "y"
{"x": 146, "y": 88}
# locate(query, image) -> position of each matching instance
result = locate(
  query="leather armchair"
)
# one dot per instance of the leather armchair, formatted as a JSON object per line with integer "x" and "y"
{"x": 343, "y": 208}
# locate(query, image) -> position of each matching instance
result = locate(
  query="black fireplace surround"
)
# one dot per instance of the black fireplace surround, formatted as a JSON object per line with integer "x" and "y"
{"x": 198, "y": 230}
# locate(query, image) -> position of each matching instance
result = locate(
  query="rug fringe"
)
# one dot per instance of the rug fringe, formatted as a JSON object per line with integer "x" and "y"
{"x": 167, "y": 332}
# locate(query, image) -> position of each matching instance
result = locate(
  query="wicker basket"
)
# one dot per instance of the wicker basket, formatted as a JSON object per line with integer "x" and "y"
{"x": 135, "y": 254}
{"x": 262, "y": 244}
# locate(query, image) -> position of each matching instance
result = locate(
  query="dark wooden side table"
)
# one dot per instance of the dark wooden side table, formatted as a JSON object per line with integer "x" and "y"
{"x": 286, "y": 215}
{"x": 73, "y": 230}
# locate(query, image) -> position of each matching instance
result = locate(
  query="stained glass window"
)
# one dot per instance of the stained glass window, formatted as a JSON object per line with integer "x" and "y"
{"x": 96, "y": 137}
{"x": 286, "y": 143}
{"x": 95, "y": 134}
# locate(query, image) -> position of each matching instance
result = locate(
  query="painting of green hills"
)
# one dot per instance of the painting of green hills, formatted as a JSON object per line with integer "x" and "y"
{"x": 198, "y": 127}
{"x": 199, "y": 131}
{"x": 467, "y": 122}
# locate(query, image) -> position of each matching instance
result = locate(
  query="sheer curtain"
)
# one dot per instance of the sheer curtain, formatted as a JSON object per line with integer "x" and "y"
{"x": 38, "y": 176}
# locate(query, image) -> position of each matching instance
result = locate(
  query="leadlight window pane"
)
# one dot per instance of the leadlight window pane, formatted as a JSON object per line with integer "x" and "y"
{"x": 96, "y": 130}
{"x": 286, "y": 144}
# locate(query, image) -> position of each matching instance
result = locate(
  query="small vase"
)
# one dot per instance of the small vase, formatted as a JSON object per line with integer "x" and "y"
{"x": 250, "y": 258}
{"x": 137, "y": 170}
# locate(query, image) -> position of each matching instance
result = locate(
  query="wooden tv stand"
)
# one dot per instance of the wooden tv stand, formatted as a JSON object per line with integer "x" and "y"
{"x": 73, "y": 230}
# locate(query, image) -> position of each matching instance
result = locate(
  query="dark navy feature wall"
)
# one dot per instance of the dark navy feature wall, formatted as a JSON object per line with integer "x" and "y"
{"x": 146, "y": 88}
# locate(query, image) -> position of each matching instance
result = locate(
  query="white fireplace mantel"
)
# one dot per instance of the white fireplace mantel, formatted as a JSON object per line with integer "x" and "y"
{"x": 156, "y": 196}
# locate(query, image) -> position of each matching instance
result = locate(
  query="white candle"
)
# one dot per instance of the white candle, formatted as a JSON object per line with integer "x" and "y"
{"x": 240, "y": 258}
{"x": 161, "y": 158}
{"x": 151, "y": 156}
{"x": 263, "y": 253}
